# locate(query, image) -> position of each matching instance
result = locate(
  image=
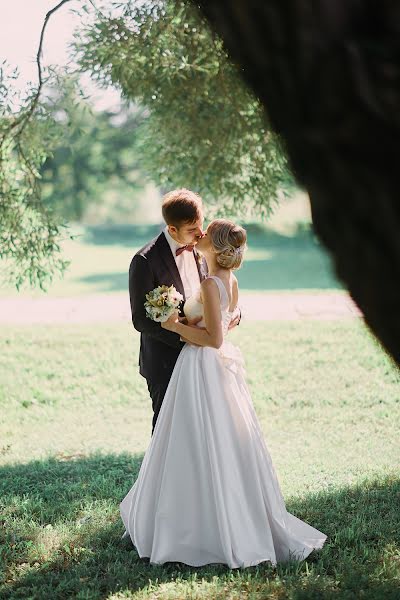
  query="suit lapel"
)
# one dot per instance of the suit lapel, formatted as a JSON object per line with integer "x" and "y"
{"x": 169, "y": 261}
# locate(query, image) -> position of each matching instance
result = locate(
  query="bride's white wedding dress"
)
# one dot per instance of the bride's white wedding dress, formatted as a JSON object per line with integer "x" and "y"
{"x": 207, "y": 491}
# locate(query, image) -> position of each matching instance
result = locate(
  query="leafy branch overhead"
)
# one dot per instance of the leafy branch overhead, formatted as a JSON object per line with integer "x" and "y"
{"x": 205, "y": 129}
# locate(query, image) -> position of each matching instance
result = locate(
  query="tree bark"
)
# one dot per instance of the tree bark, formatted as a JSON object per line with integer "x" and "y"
{"x": 328, "y": 74}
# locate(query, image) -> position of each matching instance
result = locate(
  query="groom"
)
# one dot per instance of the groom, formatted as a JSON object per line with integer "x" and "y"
{"x": 169, "y": 259}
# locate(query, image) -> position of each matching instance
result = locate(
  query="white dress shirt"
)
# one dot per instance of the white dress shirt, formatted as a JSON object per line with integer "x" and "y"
{"x": 186, "y": 264}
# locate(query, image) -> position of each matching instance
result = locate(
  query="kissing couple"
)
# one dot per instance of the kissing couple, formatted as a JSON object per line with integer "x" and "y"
{"x": 207, "y": 491}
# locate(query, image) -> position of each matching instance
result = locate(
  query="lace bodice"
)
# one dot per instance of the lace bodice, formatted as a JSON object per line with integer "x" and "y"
{"x": 193, "y": 306}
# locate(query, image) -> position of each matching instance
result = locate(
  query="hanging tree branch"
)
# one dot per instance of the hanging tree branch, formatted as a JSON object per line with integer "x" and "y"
{"x": 24, "y": 117}
{"x": 29, "y": 235}
{"x": 98, "y": 11}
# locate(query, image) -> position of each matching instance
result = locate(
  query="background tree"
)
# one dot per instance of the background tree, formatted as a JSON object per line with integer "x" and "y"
{"x": 99, "y": 151}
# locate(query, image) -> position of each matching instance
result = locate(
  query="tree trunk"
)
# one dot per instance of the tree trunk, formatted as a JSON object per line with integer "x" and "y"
{"x": 328, "y": 74}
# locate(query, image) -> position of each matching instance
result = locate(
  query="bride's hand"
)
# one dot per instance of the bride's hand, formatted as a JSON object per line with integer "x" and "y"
{"x": 171, "y": 322}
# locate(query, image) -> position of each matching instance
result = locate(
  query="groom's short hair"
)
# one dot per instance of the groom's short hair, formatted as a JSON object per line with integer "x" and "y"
{"x": 181, "y": 206}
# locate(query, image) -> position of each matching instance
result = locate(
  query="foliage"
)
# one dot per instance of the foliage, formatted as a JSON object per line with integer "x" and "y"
{"x": 205, "y": 130}
{"x": 56, "y": 157}
{"x": 30, "y": 235}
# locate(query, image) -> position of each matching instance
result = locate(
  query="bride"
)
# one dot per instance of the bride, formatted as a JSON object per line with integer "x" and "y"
{"x": 207, "y": 491}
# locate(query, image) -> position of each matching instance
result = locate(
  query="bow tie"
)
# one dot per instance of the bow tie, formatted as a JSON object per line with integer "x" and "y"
{"x": 188, "y": 247}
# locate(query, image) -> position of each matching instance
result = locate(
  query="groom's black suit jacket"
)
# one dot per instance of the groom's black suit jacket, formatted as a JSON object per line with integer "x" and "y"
{"x": 152, "y": 266}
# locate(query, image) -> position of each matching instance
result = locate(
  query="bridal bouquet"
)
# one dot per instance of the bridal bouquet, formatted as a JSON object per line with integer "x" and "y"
{"x": 162, "y": 302}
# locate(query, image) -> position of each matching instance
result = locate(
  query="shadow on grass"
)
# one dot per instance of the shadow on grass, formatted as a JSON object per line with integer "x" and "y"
{"x": 61, "y": 539}
{"x": 274, "y": 261}
{"x": 109, "y": 282}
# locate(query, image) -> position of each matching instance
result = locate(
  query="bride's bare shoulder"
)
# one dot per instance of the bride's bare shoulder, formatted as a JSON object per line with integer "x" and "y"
{"x": 209, "y": 289}
{"x": 208, "y": 284}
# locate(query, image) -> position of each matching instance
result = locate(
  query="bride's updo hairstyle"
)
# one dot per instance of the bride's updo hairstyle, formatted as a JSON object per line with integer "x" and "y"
{"x": 229, "y": 242}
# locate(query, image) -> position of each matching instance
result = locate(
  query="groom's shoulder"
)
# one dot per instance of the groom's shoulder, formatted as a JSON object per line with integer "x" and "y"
{"x": 151, "y": 248}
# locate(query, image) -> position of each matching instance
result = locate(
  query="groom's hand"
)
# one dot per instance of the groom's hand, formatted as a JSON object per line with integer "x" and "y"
{"x": 235, "y": 321}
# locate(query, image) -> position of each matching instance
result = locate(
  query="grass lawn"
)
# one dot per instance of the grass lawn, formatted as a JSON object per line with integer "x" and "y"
{"x": 76, "y": 420}
{"x": 275, "y": 261}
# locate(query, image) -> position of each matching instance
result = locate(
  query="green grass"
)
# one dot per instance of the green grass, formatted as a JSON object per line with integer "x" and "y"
{"x": 76, "y": 420}
{"x": 275, "y": 261}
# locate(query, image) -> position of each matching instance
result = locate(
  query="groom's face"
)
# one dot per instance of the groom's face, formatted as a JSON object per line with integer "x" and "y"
{"x": 187, "y": 233}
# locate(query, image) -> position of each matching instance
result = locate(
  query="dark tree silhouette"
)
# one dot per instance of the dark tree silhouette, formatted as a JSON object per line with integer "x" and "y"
{"x": 328, "y": 74}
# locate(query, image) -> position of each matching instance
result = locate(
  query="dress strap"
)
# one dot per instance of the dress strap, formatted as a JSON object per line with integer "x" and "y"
{"x": 223, "y": 294}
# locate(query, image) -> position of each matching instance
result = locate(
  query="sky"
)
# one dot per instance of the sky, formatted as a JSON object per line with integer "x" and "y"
{"x": 20, "y": 25}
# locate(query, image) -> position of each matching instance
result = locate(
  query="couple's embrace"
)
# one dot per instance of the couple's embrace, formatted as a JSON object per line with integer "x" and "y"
{"x": 207, "y": 491}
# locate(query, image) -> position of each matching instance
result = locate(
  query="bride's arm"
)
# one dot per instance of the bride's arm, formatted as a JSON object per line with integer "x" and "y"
{"x": 211, "y": 335}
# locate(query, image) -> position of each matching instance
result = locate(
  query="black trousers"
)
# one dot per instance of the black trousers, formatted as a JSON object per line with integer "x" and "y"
{"x": 157, "y": 393}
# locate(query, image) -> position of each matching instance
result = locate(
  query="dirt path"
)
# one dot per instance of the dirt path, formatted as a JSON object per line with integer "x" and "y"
{"x": 115, "y": 307}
